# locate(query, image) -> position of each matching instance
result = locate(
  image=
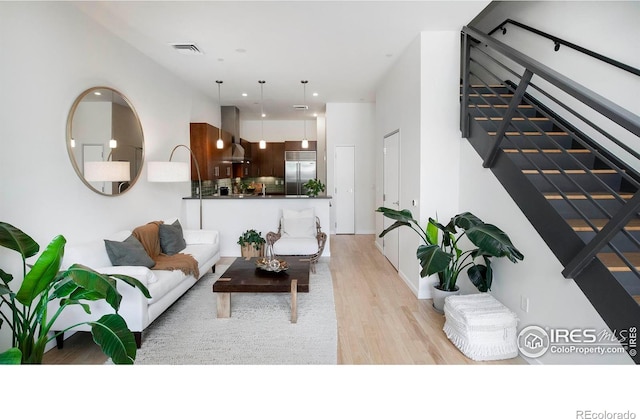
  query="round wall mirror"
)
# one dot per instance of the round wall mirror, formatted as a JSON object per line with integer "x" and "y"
{"x": 105, "y": 141}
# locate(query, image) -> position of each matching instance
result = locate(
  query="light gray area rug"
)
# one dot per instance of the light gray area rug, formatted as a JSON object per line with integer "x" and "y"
{"x": 259, "y": 331}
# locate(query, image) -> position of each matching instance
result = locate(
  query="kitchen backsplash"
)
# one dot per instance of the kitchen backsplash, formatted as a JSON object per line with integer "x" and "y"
{"x": 273, "y": 185}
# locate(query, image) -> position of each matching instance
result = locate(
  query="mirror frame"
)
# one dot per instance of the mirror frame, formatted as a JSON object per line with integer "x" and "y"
{"x": 70, "y": 149}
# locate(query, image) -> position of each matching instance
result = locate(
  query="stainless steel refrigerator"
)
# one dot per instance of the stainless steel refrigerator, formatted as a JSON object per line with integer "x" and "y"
{"x": 299, "y": 167}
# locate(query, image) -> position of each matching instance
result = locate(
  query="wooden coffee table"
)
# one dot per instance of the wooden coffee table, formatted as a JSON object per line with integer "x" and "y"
{"x": 244, "y": 276}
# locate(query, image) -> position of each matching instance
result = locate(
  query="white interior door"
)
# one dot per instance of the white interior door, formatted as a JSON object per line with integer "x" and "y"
{"x": 344, "y": 198}
{"x": 391, "y": 194}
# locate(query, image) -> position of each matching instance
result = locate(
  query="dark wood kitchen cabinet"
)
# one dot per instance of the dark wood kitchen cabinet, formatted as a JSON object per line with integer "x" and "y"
{"x": 268, "y": 161}
{"x": 203, "y": 139}
{"x": 256, "y": 159}
{"x": 297, "y": 146}
{"x": 277, "y": 159}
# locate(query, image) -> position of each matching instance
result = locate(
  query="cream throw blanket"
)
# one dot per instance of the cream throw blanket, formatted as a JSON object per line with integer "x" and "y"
{"x": 149, "y": 237}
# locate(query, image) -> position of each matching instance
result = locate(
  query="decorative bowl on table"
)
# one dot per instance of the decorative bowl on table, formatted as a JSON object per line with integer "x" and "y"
{"x": 273, "y": 265}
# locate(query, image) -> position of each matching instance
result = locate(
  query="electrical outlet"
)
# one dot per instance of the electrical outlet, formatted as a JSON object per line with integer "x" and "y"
{"x": 524, "y": 303}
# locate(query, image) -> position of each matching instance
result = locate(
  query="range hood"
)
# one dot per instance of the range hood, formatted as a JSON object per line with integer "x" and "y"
{"x": 231, "y": 123}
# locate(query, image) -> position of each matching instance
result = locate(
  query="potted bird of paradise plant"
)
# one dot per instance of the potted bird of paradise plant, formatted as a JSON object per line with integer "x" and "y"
{"x": 440, "y": 253}
{"x": 28, "y": 314}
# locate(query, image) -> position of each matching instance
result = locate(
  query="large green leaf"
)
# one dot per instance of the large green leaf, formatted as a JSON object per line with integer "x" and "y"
{"x": 134, "y": 283}
{"x": 5, "y": 277}
{"x": 481, "y": 277}
{"x": 493, "y": 241}
{"x": 432, "y": 233}
{"x": 96, "y": 285}
{"x": 15, "y": 239}
{"x": 115, "y": 339}
{"x": 394, "y": 226}
{"x": 403, "y": 215}
{"x": 11, "y": 357}
{"x": 432, "y": 259}
{"x": 43, "y": 272}
{"x": 466, "y": 220}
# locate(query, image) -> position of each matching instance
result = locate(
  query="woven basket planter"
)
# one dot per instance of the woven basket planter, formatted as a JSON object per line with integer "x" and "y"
{"x": 249, "y": 251}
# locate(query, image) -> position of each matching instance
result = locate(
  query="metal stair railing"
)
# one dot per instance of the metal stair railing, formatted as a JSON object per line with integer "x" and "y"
{"x": 471, "y": 57}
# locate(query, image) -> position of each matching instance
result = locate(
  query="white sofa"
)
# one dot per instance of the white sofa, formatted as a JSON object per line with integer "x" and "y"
{"x": 164, "y": 286}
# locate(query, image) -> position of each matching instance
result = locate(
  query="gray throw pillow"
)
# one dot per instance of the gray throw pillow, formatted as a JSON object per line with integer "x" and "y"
{"x": 128, "y": 253}
{"x": 171, "y": 238}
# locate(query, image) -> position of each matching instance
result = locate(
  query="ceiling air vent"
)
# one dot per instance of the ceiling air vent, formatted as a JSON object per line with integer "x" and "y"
{"x": 300, "y": 107}
{"x": 187, "y": 49}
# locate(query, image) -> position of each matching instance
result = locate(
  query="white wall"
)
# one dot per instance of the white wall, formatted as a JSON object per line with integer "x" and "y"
{"x": 398, "y": 107}
{"x": 353, "y": 124}
{"x": 419, "y": 96}
{"x": 61, "y": 53}
{"x": 278, "y": 130}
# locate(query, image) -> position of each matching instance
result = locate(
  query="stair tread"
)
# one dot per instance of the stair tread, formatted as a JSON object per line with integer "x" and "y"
{"x": 581, "y": 225}
{"x": 490, "y": 94}
{"x": 547, "y": 150}
{"x": 517, "y": 118}
{"x": 531, "y": 133}
{"x": 615, "y": 264}
{"x": 608, "y": 196}
{"x": 570, "y": 171}
{"x": 521, "y": 106}
{"x": 477, "y": 86}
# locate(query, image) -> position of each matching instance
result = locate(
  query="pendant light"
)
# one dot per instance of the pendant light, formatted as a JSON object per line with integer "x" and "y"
{"x": 219, "y": 143}
{"x": 305, "y": 142}
{"x": 263, "y": 143}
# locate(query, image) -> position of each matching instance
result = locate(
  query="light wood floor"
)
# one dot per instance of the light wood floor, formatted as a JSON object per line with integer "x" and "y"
{"x": 380, "y": 321}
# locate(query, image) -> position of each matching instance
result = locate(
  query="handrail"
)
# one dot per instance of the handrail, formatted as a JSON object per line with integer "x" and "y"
{"x": 600, "y": 104}
{"x": 559, "y": 41}
{"x": 604, "y": 106}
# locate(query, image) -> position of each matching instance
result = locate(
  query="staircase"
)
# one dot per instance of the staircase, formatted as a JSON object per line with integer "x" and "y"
{"x": 580, "y": 197}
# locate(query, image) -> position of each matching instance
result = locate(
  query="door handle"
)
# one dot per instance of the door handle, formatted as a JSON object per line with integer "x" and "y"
{"x": 396, "y": 203}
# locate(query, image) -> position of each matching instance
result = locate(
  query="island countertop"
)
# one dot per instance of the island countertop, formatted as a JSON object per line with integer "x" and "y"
{"x": 231, "y": 215}
{"x": 247, "y": 196}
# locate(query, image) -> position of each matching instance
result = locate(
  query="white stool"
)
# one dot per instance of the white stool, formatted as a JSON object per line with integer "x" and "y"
{"x": 481, "y": 327}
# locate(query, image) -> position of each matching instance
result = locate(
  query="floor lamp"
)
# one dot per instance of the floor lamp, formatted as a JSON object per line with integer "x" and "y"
{"x": 160, "y": 171}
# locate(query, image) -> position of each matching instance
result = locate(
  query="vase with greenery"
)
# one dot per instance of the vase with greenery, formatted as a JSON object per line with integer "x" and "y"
{"x": 251, "y": 243}
{"x": 313, "y": 187}
{"x": 28, "y": 314}
{"x": 440, "y": 253}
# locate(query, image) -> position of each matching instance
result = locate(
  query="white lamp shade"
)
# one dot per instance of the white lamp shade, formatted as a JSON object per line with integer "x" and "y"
{"x": 107, "y": 171}
{"x": 161, "y": 171}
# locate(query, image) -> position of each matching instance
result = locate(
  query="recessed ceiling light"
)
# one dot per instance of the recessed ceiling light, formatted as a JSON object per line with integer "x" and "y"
{"x": 244, "y": 95}
{"x": 315, "y": 93}
{"x": 97, "y": 93}
{"x": 241, "y": 50}
{"x": 264, "y": 115}
{"x": 315, "y": 114}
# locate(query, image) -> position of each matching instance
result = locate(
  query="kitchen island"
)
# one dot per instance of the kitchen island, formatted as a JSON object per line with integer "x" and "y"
{"x": 231, "y": 215}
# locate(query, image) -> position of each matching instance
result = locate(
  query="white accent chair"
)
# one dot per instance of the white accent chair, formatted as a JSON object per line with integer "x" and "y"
{"x": 299, "y": 234}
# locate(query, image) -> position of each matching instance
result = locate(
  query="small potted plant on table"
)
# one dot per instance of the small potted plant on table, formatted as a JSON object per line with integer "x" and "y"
{"x": 251, "y": 244}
